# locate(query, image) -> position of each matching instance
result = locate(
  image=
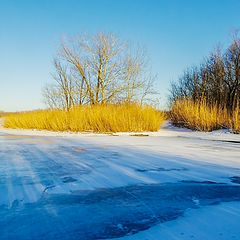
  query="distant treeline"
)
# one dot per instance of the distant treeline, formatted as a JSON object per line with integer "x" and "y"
{"x": 2, "y": 114}
{"x": 216, "y": 79}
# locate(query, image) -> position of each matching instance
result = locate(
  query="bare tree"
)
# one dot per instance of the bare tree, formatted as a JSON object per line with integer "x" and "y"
{"x": 99, "y": 69}
{"x": 232, "y": 78}
{"x": 217, "y": 79}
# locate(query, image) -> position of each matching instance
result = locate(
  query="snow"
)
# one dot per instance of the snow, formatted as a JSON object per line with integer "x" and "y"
{"x": 165, "y": 185}
{"x": 197, "y": 225}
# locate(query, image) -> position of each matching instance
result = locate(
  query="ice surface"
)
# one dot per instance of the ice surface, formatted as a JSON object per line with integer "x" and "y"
{"x": 172, "y": 184}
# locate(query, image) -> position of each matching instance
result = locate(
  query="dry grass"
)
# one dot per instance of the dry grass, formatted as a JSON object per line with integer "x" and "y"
{"x": 200, "y": 116}
{"x": 235, "y": 121}
{"x": 100, "y": 118}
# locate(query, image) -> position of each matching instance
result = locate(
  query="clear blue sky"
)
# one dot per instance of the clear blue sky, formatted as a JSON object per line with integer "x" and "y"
{"x": 177, "y": 34}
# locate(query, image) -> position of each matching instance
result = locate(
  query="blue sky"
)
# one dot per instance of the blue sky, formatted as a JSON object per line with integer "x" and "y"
{"x": 176, "y": 33}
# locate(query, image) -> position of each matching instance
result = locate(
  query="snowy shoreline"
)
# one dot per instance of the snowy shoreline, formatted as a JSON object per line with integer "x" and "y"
{"x": 166, "y": 130}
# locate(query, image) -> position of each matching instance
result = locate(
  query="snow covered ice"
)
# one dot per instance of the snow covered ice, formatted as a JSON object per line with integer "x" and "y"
{"x": 173, "y": 184}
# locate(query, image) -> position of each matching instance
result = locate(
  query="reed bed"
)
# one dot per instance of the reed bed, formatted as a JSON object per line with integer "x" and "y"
{"x": 202, "y": 117}
{"x": 96, "y": 118}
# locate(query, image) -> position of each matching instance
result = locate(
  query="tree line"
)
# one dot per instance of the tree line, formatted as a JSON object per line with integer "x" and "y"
{"x": 216, "y": 79}
{"x": 103, "y": 69}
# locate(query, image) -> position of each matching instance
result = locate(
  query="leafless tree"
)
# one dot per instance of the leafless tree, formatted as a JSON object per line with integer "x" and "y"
{"x": 217, "y": 79}
{"x": 232, "y": 78}
{"x": 98, "y": 69}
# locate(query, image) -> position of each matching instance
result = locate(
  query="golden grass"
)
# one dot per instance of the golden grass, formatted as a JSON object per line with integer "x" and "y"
{"x": 200, "y": 116}
{"x": 99, "y": 118}
{"x": 235, "y": 121}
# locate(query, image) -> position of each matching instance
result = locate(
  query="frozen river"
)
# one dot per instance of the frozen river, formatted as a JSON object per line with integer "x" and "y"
{"x": 169, "y": 185}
